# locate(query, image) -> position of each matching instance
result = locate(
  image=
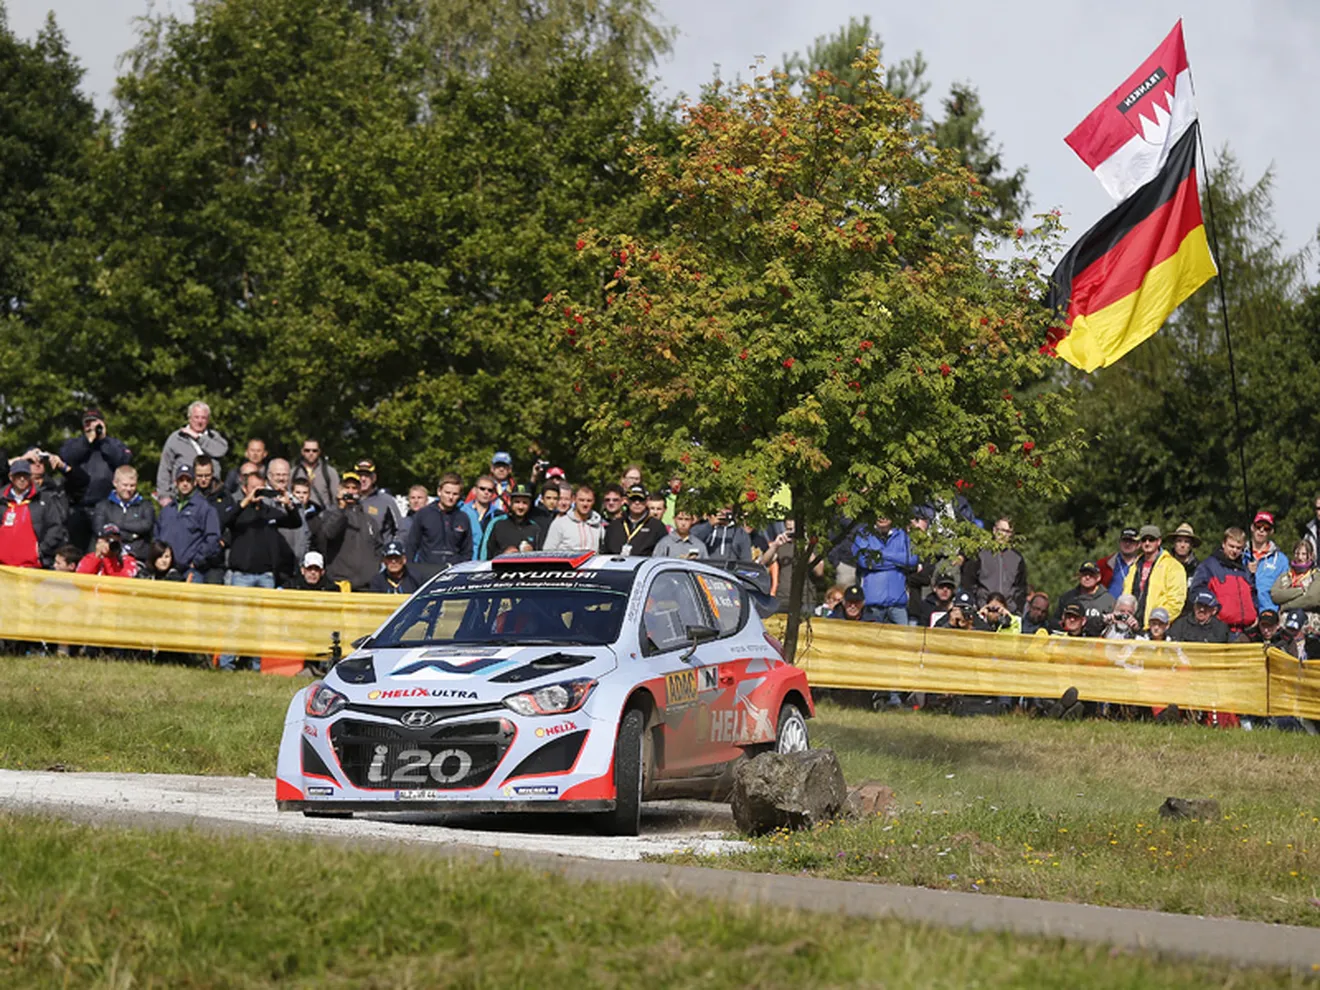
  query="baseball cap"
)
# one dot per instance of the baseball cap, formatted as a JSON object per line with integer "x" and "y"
{"x": 1089, "y": 567}
{"x": 947, "y": 580}
{"x": 502, "y": 457}
{"x": 1159, "y": 615}
{"x": 90, "y": 414}
{"x": 1263, "y": 516}
{"x": 109, "y": 529}
{"x": 1295, "y": 619}
{"x": 21, "y": 466}
{"x": 963, "y": 599}
{"x": 394, "y": 549}
{"x": 1269, "y": 611}
{"x": 637, "y": 491}
{"x": 1206, "y": 597}
{"x": 554, "y": 472}
{"x": 1072, "y": 608}
{"x": 521, "y": 490}
{"x": 854, "y": 593}
{"x": 366, "y": 466}
{"x": 1129, "y": 533}
{"x": 1149, "y": 530}
{"x": 313, "y": 558}
{"x": 350, "y": 476}
{"x": 183, "y": 469}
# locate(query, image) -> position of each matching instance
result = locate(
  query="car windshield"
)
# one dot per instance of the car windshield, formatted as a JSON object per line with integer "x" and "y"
{"x": 486, "y": 608}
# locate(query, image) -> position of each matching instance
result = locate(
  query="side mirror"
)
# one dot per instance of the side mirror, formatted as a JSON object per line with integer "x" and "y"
{"x": 696, "y": 636}
{"x": 361, "y": 641}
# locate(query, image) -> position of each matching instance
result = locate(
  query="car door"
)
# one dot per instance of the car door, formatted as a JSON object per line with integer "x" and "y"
{"x": 673, "y": 605}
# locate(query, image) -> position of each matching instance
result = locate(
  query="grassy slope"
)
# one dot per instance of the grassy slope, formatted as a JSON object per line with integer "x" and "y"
{"x": 107, "y": 907}
{"x": 1044, "y": 809}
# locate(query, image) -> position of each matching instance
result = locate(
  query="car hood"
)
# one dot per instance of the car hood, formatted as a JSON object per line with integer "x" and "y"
{"x": 463, "y": 675}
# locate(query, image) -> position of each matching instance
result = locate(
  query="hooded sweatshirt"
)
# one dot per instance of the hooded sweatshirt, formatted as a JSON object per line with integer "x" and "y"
{"x": 570, "y": 532}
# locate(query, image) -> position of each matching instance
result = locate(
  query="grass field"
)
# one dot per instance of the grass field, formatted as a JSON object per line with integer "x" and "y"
{"x": 82, "y": 906}
{"x": 1035, "y": 808}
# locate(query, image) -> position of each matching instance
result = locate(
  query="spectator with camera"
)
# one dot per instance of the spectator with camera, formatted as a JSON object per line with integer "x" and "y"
{"x": 185, "y": 445}
{"x": 31, "y": 522}
{"x": 133, "y": 514}
{"x": 254, "y": 553}
{"x": 963, "y": 614}
{"x": 725, "y": 540}
{"x": 394, "y": 578}
{"x": 441, "y": 533}
{"x": 191, "y": 527}
{"x": 884, "y": 556}
{"x": 349, "y": 537}
{"x": 997, "y": 616}
{"x": 108, "y": 557}
{"x": 1123, "y": 622}
{"x": 91, "y": 458}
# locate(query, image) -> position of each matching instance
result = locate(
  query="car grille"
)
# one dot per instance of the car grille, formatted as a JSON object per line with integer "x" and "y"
{"x": 399, "y": 756}
{"x": 438, "y": 712}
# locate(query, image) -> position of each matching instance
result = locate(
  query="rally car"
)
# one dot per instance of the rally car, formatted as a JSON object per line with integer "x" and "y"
{"x": 532, "y": 682}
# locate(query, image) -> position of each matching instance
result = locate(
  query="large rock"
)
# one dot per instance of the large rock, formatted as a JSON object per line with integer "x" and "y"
{"x": 788, "y": 790}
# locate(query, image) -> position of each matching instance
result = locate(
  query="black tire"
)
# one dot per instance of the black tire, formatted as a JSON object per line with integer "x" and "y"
{"x": 328, "y": 814}
{"x": 791, "y": 734}
{"x": 629, "y": 776}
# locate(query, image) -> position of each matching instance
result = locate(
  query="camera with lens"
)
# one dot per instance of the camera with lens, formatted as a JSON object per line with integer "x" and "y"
{"x": 116, "y": 546}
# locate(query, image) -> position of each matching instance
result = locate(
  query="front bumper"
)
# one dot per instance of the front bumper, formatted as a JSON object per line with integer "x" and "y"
{"x": 449, "y": 807}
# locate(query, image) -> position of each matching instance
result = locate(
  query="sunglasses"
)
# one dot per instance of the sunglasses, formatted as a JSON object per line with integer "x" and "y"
{"x": 1266, "y": 526}
{"x": 613, "y": 498}
{"x": 485, "y": 488}
{"x": 1150, "y": 539}
{"x": 311, "y": 450}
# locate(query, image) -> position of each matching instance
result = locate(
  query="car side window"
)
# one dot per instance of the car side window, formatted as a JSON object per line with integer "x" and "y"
{"x": 726, "y": 602}
{"x": 671, "y": 606}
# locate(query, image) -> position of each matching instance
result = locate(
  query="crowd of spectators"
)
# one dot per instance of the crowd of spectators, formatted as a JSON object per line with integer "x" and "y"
{"x": 268, "y": 522}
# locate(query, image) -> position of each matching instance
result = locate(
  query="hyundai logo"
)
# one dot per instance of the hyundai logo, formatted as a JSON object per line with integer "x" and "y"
{"x": 417, "y": 719}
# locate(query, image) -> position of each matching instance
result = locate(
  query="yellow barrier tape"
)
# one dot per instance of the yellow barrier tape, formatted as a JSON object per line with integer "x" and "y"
{"x": 52, "y": 607}
{"x": 1233, "y": 678}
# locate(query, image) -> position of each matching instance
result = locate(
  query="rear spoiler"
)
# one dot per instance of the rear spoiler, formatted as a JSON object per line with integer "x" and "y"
{"x": 756, "y": 580}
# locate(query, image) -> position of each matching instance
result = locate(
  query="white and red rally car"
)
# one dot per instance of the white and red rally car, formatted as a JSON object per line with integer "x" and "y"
{"x": 548, "y": 683}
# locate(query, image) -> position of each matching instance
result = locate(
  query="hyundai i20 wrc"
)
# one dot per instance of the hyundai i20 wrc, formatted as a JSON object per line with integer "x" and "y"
{"x": 532, "y": 682}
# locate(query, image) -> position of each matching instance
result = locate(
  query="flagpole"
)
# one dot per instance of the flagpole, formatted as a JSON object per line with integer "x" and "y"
{"x": 1228, "y": 337}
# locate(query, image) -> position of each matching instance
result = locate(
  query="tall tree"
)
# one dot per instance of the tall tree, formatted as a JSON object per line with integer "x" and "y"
{"x": 46, "y": 129}
{"x": 303, "y": 225}
{"x": 961, "y": 128}
{"x": 815, "y": 318}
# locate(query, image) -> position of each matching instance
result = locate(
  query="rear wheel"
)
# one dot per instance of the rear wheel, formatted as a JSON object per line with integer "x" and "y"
{"x": 629, "y": 764}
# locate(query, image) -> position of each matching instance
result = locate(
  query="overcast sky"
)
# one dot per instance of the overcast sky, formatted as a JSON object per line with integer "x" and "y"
{"x": 1040, "y": 66}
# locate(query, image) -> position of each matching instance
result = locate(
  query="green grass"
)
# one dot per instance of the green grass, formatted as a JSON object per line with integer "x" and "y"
{"x": 112, "y": 716}
{"x": 1035, "y": 808}
{"x": 83, "y": 906}
{"x": 1068, "y": 811}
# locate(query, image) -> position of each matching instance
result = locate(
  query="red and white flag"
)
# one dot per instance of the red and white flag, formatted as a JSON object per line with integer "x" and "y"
{"x": 1126, "y": 140}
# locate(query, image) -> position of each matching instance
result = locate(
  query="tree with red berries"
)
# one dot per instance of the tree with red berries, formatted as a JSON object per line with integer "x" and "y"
{"x": 829, "y": 313}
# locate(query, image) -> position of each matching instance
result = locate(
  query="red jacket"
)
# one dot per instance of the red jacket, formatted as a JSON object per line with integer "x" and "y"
{"x": 106, "y": 566}
{"x": 18, "y": 535}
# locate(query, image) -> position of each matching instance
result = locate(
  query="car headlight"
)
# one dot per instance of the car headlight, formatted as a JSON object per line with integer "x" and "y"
{"x": 554, "y": 699}
{"x": 322, "y": 701}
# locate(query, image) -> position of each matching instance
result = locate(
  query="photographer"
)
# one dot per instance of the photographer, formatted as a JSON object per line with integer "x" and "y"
{"x": 91, "y": 461}
{"x": 349, "y": 537}
{"x": 997, "y": 616}
{"x": 963, "y": 614}
{"x": 108, "y": 558}
{"x": 255, "y": 551}
{"x": 1122, "y": 622}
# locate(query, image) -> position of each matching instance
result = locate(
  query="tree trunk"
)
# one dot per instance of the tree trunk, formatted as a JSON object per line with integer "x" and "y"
{"x": 801, "y": 562}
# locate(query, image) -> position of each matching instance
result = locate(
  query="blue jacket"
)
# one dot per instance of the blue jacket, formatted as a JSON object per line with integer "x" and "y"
{"x": 1268, "y": 568}
{"x": 192, "y": 531}
{"x": 883, "y": 563}
{"x": 481, "y": 529}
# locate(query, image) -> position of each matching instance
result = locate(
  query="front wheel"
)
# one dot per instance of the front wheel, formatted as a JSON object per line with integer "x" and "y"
{"x": 629, "y": 764}
{"x": 791, "y": 736}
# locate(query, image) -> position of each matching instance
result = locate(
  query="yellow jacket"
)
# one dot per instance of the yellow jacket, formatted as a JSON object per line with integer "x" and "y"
{"x": 1166, "y": 588}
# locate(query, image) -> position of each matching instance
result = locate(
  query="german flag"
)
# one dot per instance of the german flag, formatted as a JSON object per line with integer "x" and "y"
{"x": 1129, "y": 272}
